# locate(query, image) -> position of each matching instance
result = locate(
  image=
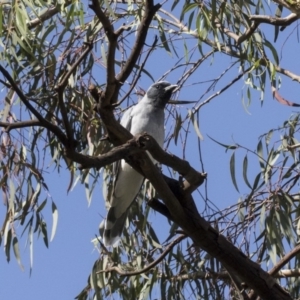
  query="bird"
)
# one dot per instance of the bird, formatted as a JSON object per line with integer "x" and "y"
{"x": 146, "y": 116}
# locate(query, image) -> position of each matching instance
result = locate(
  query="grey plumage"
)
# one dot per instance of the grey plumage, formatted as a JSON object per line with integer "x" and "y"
{"x": 146, "y": 116}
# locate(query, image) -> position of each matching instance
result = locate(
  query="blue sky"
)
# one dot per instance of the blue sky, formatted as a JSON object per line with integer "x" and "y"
{"x": 61, "y": 271}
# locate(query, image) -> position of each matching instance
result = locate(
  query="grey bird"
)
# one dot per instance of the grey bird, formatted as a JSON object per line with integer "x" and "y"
{"x": 146, "y": 116}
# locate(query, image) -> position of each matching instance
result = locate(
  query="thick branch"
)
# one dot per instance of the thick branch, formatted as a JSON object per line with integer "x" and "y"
{"x": 112, "y": 88}
{"x": 108, "y": 27}
{"x": 273, "y": 20}
{"x": 9, "y": 126}
{"x": 159, "y": 207}
{"x": 117, "y": 153}
{"x": 150, "y": 11}
{"x": 225, "y": 276}
{"x": 137, "y": 144}
{"x": 46, "y": 15}
{"x": 193, "y": 178}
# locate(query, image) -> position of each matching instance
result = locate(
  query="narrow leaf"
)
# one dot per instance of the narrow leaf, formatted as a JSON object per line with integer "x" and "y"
{"x": 44, "y": 232}
{"x": 232, "y": 171}
{"x": 55, "y": 219}
{"x": 7, "y": 245}
{"x": 245, "y": 168}
{"x": 17, "y": 252}
{"x": 260, "y": 155}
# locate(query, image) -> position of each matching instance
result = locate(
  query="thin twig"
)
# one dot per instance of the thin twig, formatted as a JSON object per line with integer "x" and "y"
{"x": 141, "y": 68}
{"x": 44, "y": 123}
{"x": 223, "y": 89}
{"x": 284, "y": 260}
{"x": 61, "y": 88}
{"x": 151, "y": 265}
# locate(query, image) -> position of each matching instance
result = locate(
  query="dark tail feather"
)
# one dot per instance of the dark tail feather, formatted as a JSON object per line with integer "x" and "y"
{"x": 113, "y": 228}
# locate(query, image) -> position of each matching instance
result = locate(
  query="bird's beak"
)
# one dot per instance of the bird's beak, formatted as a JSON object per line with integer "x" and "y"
{"x": 177, "y": 102}
{"x": 171, "y": 88}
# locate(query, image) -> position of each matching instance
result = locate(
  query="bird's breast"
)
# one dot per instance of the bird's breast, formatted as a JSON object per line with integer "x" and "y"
{"x": 151, "y": 121}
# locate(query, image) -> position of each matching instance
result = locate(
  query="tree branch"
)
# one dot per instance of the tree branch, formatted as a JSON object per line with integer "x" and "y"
{"x": 151, "y": 265}
{"x": 225, "y": 276}
{"x": 160, "y": 208}
{"x": 225, "y": 49}
{"x": 137, "y": 77}
{"x": 139, "y": 144}
{"x": 117, "y": 153}
{"x": 44, "y": 123}
{"x": 273, "y": 20}
{"x": 88, "y": 46}
{"x": 291, "y": 5}
{"x": 222, "y": 89}
{"x": 61, "y": 89}
{"x": 150, "y": 11}
{"x": 9, "y": 126}
{"x": 112, "y": 88}
{"x": 284, "y": 260}
{"x": 193, "y": 178}
{"x": 46, "y": 15}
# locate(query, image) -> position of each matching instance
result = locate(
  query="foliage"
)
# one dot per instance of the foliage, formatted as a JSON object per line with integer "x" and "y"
{"x": 53, "y": 52}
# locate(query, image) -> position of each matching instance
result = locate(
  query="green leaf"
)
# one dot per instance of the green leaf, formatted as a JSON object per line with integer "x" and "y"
{"x": 43, "y": 204}
{"x": 195, "y": 124}
{"x": 1, "y": 19}
{"x": 162, "y": 35}
{"x": 298, "y": 227}
{"x": 189, "y": 7}
{"x": 7, "y": 245}
{"x": 232, "y": 171}
{"x": 191, "y": 17}
{"x": 30, "y": 238}
{"x": 175, "y": 2}
{"x": 268, "y": 137}
{"x": 43, "y": 226}
{"x": 55, "y": 220}
{"x": 245, "y": 168}
{"x": 17, "y": 252}
{"x": 260, "y": 155}
{"x": 177, "y": 127}
{"x": 262, "y": 217}
{"x": 273, "y": 50}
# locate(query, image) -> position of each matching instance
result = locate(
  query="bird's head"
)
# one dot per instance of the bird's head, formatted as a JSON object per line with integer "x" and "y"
{"x": 160, "y": 93}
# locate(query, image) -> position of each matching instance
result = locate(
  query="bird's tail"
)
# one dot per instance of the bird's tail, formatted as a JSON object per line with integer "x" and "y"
{"x": 113, "y": 228}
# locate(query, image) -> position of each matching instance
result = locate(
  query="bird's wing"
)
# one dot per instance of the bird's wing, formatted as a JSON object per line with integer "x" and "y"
{"x": 126, "y": 123}
{"x": 126, "y": 186}
{"x": 127, "y": 117}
